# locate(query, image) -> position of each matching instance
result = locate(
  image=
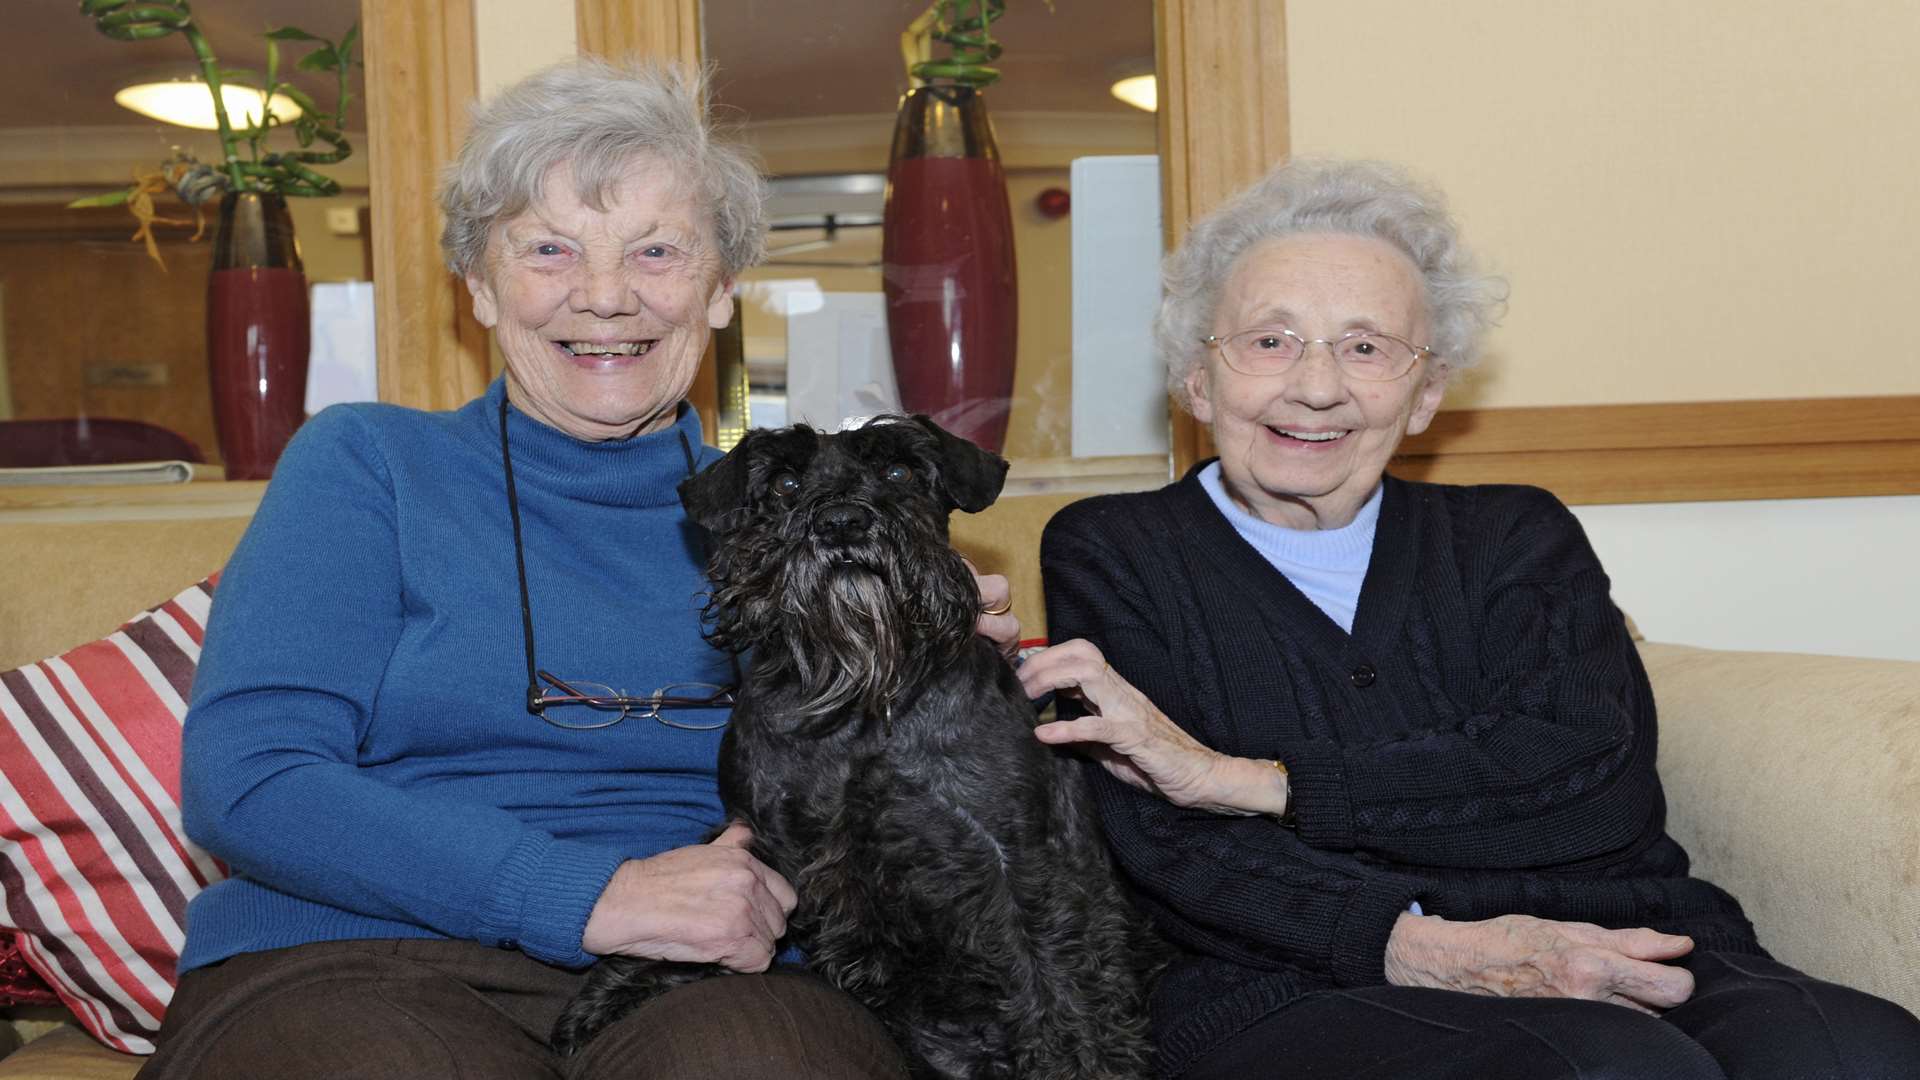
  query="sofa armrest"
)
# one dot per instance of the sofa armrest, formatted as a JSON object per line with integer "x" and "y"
{"x": 1794, "y": 782}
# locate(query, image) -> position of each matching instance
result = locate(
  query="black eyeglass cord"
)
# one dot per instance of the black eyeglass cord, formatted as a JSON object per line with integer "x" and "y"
{"x": 534, "y": 704}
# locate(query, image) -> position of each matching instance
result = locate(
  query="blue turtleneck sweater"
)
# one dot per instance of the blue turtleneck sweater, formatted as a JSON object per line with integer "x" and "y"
{"x": 359, "y": 750}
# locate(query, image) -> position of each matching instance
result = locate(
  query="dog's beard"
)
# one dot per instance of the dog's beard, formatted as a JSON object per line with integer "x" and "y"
{"x": 853, "y": 651}
{"x": 853, "y": 625}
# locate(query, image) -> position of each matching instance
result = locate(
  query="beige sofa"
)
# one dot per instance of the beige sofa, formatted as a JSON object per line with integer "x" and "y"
{"x": 1793, "y": 780}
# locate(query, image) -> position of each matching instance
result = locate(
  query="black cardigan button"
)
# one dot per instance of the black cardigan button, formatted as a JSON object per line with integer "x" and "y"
{"x": 1363, "y": 676}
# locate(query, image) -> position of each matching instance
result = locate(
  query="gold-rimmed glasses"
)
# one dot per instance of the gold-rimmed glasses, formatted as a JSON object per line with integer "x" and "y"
{"x": 1371, "y": 355}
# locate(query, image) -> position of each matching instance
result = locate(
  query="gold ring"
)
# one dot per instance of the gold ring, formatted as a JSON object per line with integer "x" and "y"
{"x": 1005, "y": 606}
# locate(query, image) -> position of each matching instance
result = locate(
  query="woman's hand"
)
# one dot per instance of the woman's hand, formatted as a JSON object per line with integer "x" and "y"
{"x": 711, "y": 903}
{"x": 997, "y": 622}
{"x": 1136, "y": 742}
{"x": 1521, "y": 956}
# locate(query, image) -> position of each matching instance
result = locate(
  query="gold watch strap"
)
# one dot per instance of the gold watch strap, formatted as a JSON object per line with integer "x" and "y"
{"x": 1286, "y": 816}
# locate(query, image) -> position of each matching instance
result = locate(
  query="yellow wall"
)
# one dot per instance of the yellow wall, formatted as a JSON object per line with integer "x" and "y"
{"x": 515, "y": 38}
{"x": 1694, "y": 201}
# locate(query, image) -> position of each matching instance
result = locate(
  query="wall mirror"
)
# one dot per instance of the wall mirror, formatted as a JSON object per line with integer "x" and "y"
{"x": 91, "y": 329}
{"x": 817, "y": 87}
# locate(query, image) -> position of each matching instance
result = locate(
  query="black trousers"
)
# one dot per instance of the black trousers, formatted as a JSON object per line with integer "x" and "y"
{"x": 456, "y": 1010}
{"x": 1749, "y": 1018}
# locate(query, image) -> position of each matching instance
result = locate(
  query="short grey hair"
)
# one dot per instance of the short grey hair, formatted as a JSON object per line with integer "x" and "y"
{"x": 1363, "y": 198}
{"x": 598, "y": 116}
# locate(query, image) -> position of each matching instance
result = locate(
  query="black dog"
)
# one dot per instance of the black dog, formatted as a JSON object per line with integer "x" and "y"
{"x": 950, "y": 871}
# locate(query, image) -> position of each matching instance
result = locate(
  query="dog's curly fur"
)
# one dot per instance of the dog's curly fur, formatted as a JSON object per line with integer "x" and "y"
{"x": 950, "y": 872}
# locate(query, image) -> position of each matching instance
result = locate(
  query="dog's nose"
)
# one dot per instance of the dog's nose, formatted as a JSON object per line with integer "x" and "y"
{"x": 841, "y": 523}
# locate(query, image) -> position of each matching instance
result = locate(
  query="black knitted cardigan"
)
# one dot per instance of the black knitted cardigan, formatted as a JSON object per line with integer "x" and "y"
{"x": 1483, "y": 741}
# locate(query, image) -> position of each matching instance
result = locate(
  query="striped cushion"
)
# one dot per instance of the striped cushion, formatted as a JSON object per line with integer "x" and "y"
{"x": 94, "y": 866}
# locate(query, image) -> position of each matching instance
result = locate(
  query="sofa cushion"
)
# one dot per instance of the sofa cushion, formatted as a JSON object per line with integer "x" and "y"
{"x": 93, "y": 863}
{"x": 1794, "y": 783}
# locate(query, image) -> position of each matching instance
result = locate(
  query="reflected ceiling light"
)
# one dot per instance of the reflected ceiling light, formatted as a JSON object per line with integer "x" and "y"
{"x": 1137, "y": 91}
{"x": 187, "y": 103}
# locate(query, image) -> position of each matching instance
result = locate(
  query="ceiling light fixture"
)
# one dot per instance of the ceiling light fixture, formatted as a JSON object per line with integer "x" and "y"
{"x": 1137, "y": 91}
{"x": 187, "y": 103}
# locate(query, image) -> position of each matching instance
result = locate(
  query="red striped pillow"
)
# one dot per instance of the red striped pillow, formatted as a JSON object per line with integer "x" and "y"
{"x": 93, "y": 863}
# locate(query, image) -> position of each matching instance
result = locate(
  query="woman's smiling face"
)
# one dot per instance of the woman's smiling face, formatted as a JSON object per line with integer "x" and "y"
{"x": 1305, "y": 448}
{"x": 603, "y": 314}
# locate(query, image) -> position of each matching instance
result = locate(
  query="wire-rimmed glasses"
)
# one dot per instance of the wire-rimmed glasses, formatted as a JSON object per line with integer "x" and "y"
{"x": 1372, "y": 355}
{"x": 588, "y": 706}
{"x": 578, "y": 705}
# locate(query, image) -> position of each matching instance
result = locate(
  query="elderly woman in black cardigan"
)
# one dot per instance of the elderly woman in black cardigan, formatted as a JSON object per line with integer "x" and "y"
{"x": 1378, "y": 755}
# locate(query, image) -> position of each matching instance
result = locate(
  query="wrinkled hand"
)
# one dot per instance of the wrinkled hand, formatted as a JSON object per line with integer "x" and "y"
{"x": 1136, "y": 742}
{"x": 996, "y": 595}
{"x": 710, "y": 903}
{"x": 1521, "y": 956}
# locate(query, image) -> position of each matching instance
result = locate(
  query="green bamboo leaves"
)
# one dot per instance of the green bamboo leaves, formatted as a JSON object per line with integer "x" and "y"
{"x": 316, "y": 131}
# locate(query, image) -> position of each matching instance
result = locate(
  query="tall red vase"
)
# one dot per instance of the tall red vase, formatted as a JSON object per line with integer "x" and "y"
{"x": 948, "y": 266}
{"x": 257, "y": 333}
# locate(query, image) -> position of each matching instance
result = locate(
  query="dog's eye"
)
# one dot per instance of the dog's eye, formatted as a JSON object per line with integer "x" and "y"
{"x": 785, "y": 484}
{"x": 898, "y": 474}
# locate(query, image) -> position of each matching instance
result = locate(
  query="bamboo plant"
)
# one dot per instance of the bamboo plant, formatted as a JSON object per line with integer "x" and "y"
{"x": 247, "y": 164}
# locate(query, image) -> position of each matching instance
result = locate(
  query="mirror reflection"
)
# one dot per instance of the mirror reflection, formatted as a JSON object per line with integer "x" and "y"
{"x": 818, "y": 90}
{"x": 103, "y": 343}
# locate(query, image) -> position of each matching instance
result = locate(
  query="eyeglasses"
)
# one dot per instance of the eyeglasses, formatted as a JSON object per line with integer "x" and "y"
{"x": 1372, "y": 355}
{"x": 587, "y": 706}
{"x": 584, "y": 706}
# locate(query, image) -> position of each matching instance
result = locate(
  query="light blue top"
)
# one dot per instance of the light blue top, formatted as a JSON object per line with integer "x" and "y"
{"x": 359, "y": 748}
{"x": 1328, "y": 565}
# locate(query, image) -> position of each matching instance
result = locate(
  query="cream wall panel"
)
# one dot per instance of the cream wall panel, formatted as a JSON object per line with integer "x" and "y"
{"x": 515, "y": 38}
{"x": 1778, "y": 575}
{"x": 1693, "y": 201}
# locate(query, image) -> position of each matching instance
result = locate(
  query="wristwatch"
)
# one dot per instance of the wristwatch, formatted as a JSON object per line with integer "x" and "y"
{"x": 1286, "y": 816}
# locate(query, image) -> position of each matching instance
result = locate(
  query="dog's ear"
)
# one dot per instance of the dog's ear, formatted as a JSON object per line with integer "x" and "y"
{"x": 971, "y": 477}
{"x": 717, "y": 490}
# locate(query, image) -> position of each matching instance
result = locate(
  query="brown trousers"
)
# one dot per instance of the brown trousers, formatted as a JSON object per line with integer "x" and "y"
{"x": 424, "y": 1010}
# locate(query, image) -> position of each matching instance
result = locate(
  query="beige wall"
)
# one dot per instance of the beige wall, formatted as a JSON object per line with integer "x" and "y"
{"x": 514, "y": 38}
{"x": 1693, "y": 201}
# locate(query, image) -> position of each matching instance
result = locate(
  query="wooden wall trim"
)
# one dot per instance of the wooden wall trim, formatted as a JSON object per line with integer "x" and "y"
{"x": 420, "y": 80}
{"x": 1682, "y": 452}
{"x": 117, "y": 502}
{"x": 1223, "y": 123}
{"x": 619, "y": 28}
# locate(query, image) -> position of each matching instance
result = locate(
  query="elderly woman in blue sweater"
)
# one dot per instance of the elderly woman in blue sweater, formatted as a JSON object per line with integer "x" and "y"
{"x": 1379, "y": 755}
{"x": 432, "y": 835}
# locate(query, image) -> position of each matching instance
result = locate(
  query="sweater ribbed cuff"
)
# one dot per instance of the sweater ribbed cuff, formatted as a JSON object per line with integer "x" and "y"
{"x": 1360, "y": 936}
{"x": 544, "y": 892}
{"x": 1206, "y": 1027}
{"x": 1317, "y": 795}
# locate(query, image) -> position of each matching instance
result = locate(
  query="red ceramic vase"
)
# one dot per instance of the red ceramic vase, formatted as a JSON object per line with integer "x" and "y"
{"x": 257, "y": 333}
{"x": 948, "y": 266}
